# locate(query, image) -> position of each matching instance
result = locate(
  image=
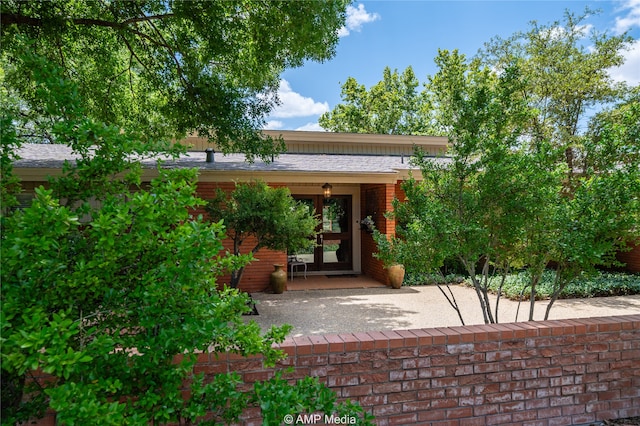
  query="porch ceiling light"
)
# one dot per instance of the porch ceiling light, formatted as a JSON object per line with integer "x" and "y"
{"x": 326, "y": 190}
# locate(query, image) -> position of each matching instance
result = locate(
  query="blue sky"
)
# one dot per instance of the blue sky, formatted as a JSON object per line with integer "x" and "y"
{"x": 401, "y": 33}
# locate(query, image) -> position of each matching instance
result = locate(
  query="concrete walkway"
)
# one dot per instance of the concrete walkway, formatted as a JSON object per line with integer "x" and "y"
{"x": 338, "y": 310}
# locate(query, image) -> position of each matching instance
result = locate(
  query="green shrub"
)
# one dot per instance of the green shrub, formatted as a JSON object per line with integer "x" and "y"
{"x": 416, "y": 279}
{"x": 586, "y": 285}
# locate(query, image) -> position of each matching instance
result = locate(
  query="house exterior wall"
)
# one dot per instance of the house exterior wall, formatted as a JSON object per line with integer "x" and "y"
{"x": 256, "y": 275}
{"x": 376, "y": 199}
{"x": 373, "y": 200}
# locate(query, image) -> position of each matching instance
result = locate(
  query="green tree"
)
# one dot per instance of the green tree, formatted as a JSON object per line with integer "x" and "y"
{"x": 115, "y": 298}
{"x": 169, "y": 68}
{"x": 602, "y": 212}
{"x": 128, "y": 270}
{"x": 613, "y": 137}
{"x": 264, "y": 217}
{"x": 502, "y": 203}
{"x": 505, "y": 201}
{"x": 474, "y": 207}
{"x": 392, "y": 106}
{"x": 566, "y": 77}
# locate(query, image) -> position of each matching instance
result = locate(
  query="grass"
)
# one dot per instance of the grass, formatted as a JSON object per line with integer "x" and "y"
{"x": 587, "y": 285}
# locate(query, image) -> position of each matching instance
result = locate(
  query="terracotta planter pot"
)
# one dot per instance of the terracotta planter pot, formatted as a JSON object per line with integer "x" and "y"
{"x": 396, "y": 275}
{"x": 278, "y": 279}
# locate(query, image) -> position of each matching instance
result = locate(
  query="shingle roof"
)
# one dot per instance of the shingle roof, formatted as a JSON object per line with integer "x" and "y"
{"x": 53, "y": 156}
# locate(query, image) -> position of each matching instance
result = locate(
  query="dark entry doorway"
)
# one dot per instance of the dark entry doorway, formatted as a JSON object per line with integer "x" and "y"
{"x": 334, "y": 251}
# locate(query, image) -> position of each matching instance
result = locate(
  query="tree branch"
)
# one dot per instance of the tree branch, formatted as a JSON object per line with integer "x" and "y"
{"x": 171, "y": 52}
{"x": 17, "y": 19}
{"x": 160, "y": 41}
{"x": 452, "y": 301}
{"x": 147, "y": 18}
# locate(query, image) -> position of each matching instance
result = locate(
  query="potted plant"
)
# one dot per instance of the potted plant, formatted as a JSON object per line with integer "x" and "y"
{"x": 389, "y": 253}
{"x": 367, "y": 224}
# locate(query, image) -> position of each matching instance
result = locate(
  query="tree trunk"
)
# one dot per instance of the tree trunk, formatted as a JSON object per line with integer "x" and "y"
{"x": 235, "y": 277}
{"x": 532, "y": 298}
{"x": 471, "y": 266}
{"x": 452, "y": 301}
{"x": 558, "y": 286}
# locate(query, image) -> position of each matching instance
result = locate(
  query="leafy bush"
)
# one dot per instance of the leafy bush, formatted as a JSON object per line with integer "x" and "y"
{"x": 586, "y": 285}
{"x": 118, "y": 309}
{"x": 417, "y": 279}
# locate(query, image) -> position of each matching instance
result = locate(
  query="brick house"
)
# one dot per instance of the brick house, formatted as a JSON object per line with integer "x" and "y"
{"x": 362, "y": 172}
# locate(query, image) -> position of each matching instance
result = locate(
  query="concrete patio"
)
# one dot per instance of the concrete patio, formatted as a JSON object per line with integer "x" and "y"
{"x": 321, "y": 305}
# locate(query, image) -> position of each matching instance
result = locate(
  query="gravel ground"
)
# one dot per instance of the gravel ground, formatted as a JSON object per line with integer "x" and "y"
{"x": 369, "y": 309}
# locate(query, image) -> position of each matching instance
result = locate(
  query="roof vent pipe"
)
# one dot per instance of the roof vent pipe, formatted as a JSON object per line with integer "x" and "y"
{"x": 210, "y": 152}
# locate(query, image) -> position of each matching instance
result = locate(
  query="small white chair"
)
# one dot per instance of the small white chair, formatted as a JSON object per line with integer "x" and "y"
{"x": 294, "y": 262}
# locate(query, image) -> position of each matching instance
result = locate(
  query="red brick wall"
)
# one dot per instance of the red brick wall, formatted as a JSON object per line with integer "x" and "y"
{"x": 370, "y": 266}
{"x": 399, "y": 192}
{"x": 559, "y": 372}
{"x": 375, "y": 199}
{"x": 530, "y": 373}
{"x": 631, "y": 258}
{"x": 256, "y": 275}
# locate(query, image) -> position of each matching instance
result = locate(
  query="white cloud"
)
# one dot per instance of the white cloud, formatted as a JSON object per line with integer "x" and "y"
{"x": 356, "y": 18}
{"x": 311, "y": 127}
{"x": 293, "y": 104}
{"x": 632, "y": 17}
{"x": 273, "y": 125}
{"x": 630, "y": 70}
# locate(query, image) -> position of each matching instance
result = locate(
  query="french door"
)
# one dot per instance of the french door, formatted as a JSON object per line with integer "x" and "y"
{"x": 334, "y": 249}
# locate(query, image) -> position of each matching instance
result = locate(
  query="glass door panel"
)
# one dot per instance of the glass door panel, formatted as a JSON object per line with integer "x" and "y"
{"x": 334, "y": 215}
{"x": 336, "y": 233}
{"x": 308, "y": 255}
{"x": 336, "y": 251}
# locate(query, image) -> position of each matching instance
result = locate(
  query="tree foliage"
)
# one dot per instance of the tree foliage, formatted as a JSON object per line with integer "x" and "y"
{"x": 170, "y": 68}
{"x": 117, "y": 299}
{"x": 108, "y": 283}
{"x": 566, "y": 67}
{"x": 566, "y": 77}
{"x": 392, "y": 106}
{"x": 124, "y": 305}
{"x": 614, "y": 136}
{"x": 502, "y": 201}
{"x": 473, "y": 207}
{"x": 264, "y": 217}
